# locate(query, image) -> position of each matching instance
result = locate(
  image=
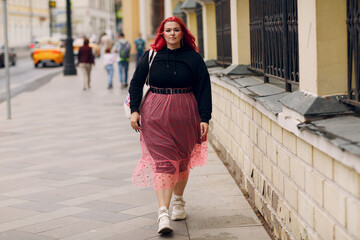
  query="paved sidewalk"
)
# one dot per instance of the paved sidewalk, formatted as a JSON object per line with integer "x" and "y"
{"x": 66, "y": 160}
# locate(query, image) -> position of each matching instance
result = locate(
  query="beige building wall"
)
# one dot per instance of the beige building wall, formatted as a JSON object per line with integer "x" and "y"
{"x": 131, "y": 22}
{"x": 321, "y": 28}
{"x": 192, "y": 25}
{"x": 209, "y": 17}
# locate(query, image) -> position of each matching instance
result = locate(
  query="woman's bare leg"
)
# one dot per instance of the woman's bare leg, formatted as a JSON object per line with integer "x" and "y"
{"x": 180, "y": 186}
{"x": 164, "y": 197}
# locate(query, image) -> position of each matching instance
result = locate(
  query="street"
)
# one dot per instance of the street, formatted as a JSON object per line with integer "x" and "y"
{"x": 24, "y": 76}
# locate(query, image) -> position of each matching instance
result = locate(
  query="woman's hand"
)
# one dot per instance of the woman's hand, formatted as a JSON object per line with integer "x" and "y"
{"x": 204, "y": 130}
{"x": 134, "y": 120}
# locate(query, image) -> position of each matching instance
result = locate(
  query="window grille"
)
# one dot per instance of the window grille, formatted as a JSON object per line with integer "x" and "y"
{"x": 274, "y": 40}
{"x": 199, "y": 16}
{"x": 223, "y": 32}
{"x": 353, "y": 56}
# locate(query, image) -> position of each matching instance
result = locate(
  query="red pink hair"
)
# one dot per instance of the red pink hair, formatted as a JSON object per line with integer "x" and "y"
{"x": 188, "y": 40}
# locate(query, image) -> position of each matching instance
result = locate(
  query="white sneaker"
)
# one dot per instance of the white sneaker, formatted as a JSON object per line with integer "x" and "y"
{"x": 178, "y": 210}
{"x": 164, "y": 221}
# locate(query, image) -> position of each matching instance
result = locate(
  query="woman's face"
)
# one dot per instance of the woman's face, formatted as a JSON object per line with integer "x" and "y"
{"x": 173, "y": 35}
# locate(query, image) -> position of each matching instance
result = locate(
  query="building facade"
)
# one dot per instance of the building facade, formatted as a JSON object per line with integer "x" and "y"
{"x": 89, "y": 17}
{"x": 27, "y": 20}
{"x": 286, "y": 88}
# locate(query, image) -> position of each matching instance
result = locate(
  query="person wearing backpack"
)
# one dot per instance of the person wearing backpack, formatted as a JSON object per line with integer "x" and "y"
{"x": 122, "y": 48}
{"x": 140, "y": 48}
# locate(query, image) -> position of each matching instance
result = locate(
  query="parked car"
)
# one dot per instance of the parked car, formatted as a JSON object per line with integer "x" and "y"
{"x": 12, "y": 56}
{"x": 79, "y": 42}
{"x": 46, "y": 54}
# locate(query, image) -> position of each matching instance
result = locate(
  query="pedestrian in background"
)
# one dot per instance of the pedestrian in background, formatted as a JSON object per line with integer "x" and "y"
{"x": 109, "y": 60}
{"x": 122, "y": 48}
{"x": 174, "y": 117}
{"x": 105, "y": 42}
{"x": 85, "y": 60}
{"x": 140, "y": 48}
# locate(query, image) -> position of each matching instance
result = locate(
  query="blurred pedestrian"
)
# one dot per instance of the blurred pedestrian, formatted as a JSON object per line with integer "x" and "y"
{"x": 122, "y": 48}
{"x": 105, "y": 42}
{"x": 85, "y": 60}
{"x": 109, "y": 60}
{"x": 140, "y": 48}
{"x": 174, "y": 117}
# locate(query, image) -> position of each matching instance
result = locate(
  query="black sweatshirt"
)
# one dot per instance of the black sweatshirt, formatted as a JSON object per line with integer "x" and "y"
{"x": 178, "y": 68}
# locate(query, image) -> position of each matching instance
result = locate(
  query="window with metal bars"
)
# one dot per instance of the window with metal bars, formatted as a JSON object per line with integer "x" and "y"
{"x": 223, "y": 32}
{"x": 158, "y": 14}
{"x": 353, "y": 56}
{"x": 199, "y": 16}
{"x": 274, "y": 40}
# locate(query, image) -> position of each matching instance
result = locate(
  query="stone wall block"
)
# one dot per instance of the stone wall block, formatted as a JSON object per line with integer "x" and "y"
{"x": 323, "y": 224}
{"x": 297, "y": 172}
{"x": 284, "y": 160}
{"x": 252, "y": 132}
{"x": 335, "y": 202}
{"x": 353, "y": 216}
{"x": 290, "y": 192}
{"x": 278, "y": 180}
{"x": 323, "y": 163}
{"x": 257, "y": 117}
{"x": 261, "y": 140}
{"x": 304, "y": 151}
{"x": 266, "y": 123}
{"x": 306, "y": 208}
{"x": 347, "y": 178}
{"x": 258, "y": 158}
{"x": 289, "y": 141}
{"x": 340, "y": 234}
{"x": 276, "y": 131}
{"x": 314, "y": 186}
{"x": 267, "y": 168}
{"x": 271, "y": 149}
{"x": 249, "y": 110}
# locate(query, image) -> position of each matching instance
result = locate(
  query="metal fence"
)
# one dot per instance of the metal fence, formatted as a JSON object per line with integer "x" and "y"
{"x": 353, "y": 27}
{"x": 274, "y": 40}
{"x": 223, "y": 32}
{"x": 199, "y": 18}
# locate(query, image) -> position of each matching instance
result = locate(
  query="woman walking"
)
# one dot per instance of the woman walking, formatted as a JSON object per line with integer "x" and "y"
{"x": 86, "y": 59}
{"x": 174, "y": 117}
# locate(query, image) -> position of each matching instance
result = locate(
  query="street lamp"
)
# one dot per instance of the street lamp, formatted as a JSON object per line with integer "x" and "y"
{"x": 69, "y": 67}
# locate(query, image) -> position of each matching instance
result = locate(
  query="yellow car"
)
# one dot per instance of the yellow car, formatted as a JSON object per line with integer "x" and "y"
{"x": 79, "y": 42}
{"x": 48, "y": 54}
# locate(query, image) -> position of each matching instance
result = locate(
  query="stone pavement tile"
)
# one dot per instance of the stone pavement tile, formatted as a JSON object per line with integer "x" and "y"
{"x": 38, "y": 206}
{"x": 137, "y": 234}
{"x": 20, "y": 175}
{"x": 180, "y": 227}
{"x": 241, "y": 233}
{"x": 73, "y": 229}
{"x": 113, "y": 229}
{"x": 73, "y": 181}
{"x": 19, "y": 235}
{"x": 220, "y": 219}
{"x": 173, "y": 235}
{"x": 143, "y": 210}
{"x": 136, "y": 197}
{"x": 106, "y": 206}
{"x": 6, "y": 202}
{"x": 26, "y": 191}
{"x": 8, "y": 214}
{"x": 104, "y": 216}
{"x": 46, "y": 197}
{"x": 43, "y": 217}
{"x": 50, "y": 225}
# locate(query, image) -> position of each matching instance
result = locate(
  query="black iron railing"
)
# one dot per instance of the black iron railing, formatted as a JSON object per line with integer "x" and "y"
{"x": 199, "y": 16}
{"x": 223, "y": 32}
{"x": 353, "y": 27}
{"x": 274, "y": 40}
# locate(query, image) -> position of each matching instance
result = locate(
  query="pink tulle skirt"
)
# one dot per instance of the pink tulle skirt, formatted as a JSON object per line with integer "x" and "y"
{"x": 170, "y": 140}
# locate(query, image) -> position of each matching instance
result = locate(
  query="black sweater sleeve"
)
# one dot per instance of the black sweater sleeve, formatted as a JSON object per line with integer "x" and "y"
{"x": 137, "y": 82}
{"x": 202, "y": 90}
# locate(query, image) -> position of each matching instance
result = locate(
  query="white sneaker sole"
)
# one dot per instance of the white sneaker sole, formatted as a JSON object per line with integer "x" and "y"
{"x": 178, "y": 217}
{"x": 165, "y": 230}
